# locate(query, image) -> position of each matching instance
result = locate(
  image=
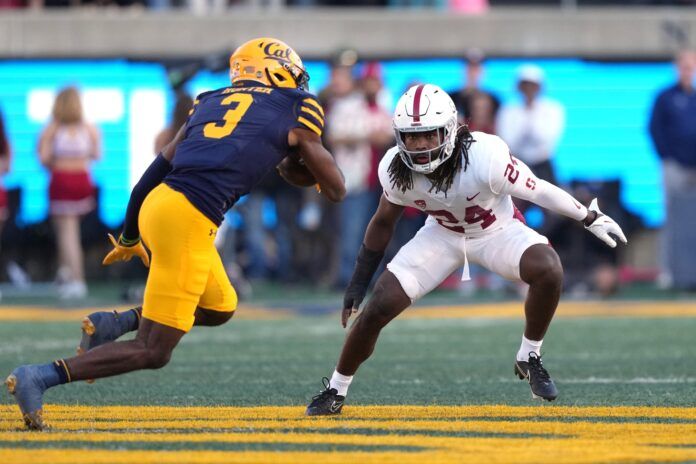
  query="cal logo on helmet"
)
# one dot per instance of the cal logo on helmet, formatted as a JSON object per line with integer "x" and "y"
{"x": 278, "y": 50}
{"x": 270, "y": 62}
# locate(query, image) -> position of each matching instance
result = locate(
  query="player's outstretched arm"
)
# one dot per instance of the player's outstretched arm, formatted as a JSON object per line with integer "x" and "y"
{"x": 517, "y": 179}
{"x": 128, "y": 243}
{"x": 319, "y": 162}
{"x": 377, "y": 236}
{"x": 559, "y": 201}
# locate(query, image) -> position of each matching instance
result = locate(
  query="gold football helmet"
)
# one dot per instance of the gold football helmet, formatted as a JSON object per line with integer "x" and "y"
{"x": 270, "y": 62}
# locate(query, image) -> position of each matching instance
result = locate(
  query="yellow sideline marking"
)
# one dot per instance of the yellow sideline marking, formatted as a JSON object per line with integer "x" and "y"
{"x": 437, "y": 434}
{"x": 617, "y": 309}
{"x": 37, "y": 313}
{"x": 651, "y": 309}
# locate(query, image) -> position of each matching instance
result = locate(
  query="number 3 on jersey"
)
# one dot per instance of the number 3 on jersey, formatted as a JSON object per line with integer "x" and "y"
{"x": 232, "y": 117}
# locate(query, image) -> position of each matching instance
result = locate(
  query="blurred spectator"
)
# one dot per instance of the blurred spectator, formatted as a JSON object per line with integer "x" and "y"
{"x": 39, "y": 4}
{"x": 340, "y": 79}
{"x": 9, "y": 4}
{"x": 226, "y": 244}
{"x": 379, "y": 122}
{"x": 319, "y": 218}
{"x": 673, "y": 131}
{"x": 418, "y": 3}
{"x": 469, "y": 6}
{"x": 180, "y": 113}
{"x": 475, "y": 106}
{"x": 268, "y": 247}
{"x": 66, "y": 147}
{"x": 348, "y": 134}
{"x": 206, "y": 7}
{"x": 251, "y": 208}
{"x": 483, "y": 113}
{"x": 533, "y": 127}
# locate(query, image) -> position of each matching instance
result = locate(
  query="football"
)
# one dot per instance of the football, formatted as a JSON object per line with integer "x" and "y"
{"x": 293, "y": 170}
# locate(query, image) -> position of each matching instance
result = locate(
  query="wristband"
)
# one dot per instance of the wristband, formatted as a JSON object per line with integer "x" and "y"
{"x": 587, "y": 223}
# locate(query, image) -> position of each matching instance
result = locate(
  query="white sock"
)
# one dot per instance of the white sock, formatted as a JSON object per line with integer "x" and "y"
{"x": 340, "y": 382}
{"x": 528, "y": 346}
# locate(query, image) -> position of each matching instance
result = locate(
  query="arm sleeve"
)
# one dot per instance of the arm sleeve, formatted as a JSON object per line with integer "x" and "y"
{"x": 309, "y": 115}
{"x": 150, "y": 179}
{"x": 509, "y": 176}
{"x": 554, "y": 199}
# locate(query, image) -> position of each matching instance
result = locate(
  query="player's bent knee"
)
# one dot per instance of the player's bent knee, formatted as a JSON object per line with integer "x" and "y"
{"x": 551, "y": 270}
{"x": 381, "y": 309}
{"x": 541, "y": 265}
{"x": 375, "y": 316}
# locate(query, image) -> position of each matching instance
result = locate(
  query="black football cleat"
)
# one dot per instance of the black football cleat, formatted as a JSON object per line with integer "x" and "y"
{"x": 539, "y": 379}
{"x": 326, "y": 403}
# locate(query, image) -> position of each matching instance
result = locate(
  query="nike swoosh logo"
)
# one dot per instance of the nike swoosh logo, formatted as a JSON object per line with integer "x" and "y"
{"x": 469, "y": 199}
{"x": 335, "y": 406}
{"x": 523, "y": 372}
{"x": 577, "y": 205}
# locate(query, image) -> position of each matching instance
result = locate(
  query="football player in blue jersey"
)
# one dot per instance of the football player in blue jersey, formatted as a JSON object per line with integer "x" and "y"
{"x": 233, "y": 137}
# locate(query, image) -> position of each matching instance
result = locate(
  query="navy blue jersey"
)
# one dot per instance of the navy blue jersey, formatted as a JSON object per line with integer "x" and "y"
{"x": 234, "y": 137}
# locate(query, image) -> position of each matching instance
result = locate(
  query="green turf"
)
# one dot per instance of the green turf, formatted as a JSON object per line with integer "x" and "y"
{"x": 455, "y": 361}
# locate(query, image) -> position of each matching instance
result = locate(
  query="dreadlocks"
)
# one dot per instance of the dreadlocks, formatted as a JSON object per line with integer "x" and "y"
{"x": 401, "y": 176}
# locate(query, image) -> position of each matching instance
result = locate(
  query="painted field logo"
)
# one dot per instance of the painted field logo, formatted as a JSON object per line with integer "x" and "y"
{"x": 374, "y": 434}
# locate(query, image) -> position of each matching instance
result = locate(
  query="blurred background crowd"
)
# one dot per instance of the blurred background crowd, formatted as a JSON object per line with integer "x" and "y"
{"x": 203, "y": 6}
{"x": 290, "y": 236}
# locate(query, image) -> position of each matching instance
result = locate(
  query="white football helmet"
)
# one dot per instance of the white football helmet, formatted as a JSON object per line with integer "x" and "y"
{"x": 424, "y": 108}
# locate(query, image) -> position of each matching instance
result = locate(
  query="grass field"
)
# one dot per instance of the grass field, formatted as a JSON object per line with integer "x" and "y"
{"x": 440, "y": 388}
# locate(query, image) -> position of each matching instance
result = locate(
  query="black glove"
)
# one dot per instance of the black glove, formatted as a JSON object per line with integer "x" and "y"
{"x": 365, "y": 267}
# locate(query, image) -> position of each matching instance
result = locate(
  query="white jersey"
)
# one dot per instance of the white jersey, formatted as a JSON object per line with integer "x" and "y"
{"x": 475, "y": 220}
{"x": 478, "y": 202}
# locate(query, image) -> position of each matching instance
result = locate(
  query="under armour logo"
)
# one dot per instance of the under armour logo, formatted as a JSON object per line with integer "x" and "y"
{"x": 212, "y": 233}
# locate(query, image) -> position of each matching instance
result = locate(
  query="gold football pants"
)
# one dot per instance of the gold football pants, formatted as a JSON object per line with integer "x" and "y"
{"x": 185, "y": 268}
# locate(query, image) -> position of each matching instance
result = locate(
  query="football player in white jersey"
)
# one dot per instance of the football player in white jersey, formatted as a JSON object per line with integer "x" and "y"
{"x": 464, "y": 181}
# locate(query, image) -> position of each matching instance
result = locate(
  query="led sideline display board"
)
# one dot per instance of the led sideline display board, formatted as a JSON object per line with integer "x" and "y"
{"x": 607, "y": 111}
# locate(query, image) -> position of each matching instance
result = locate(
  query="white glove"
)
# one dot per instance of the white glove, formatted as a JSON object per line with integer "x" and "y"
{"x": 603, "y": 225}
